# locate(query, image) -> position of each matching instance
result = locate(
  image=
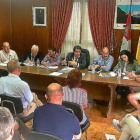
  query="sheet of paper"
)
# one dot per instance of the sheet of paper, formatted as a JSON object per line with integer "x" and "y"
{"x": 83, "y": 74}
{"x": 110, "y": 137}
{"x": 53, "y": 67}
{"x": 55, "y": 73}
{"x": 127, "y": 78}
{"x": 2, "y": 64}
{"x": 28, "y": 64}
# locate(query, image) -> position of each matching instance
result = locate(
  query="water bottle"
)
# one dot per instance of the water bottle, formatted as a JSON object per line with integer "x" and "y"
{"x": 27, "y": 61}
{"x": 119, "y": 72}
{"x": 38, "y": 63}
{"x": 93, "y": 68}
{"x": 10, "y": 57}
{"x": 48, "y": 65}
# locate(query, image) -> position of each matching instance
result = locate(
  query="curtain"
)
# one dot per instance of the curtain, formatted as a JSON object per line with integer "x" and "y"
{"x": 73, "y": 34}
{"x": 79, "y": 30}
{"x": 101, "y": 18}
{"x": 86, "y": 37}
{"x": 61, "y": 15}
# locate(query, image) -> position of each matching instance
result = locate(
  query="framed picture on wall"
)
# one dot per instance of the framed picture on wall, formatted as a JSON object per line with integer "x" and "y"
{"x": 39, "y": 16}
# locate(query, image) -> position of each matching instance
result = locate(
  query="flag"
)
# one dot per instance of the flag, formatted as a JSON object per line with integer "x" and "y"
{"x": 126, "y": 43}
{"x": 138, "y": 52}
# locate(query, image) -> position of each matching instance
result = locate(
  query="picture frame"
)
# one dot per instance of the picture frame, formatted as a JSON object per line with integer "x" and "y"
{"x": 39, "y": 16}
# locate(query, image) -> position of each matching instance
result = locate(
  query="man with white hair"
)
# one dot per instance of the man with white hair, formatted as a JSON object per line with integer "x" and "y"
{"x": 33, "y": 55}
{"x": 128, "y": 126}
{"x": 7, "y": 54}
{"x": 10, "y": 128}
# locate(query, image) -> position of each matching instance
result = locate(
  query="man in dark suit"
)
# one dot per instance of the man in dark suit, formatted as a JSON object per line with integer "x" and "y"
{"x": 75, "y": 58}
{"x": 33, "y": 55}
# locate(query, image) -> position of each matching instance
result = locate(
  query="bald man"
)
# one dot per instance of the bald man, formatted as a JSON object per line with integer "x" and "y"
{"x": 103, "y": 61}
{"x": 53, "y": 118}
{"x": 7, "y": 54}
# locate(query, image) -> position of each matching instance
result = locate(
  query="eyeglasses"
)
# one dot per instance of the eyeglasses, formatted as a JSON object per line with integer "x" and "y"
{"x": 6, "y": 47}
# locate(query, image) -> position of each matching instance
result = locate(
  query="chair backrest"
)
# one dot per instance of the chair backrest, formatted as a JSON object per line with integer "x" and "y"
{"x": 42, "y": 136}
{"x": 11, "y": 103}
{"x": 87, "y": 57}
{"x": 78, "y": 111}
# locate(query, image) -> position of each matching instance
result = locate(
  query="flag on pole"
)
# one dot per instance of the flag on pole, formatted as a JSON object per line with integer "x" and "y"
{"x": 138, "y": 52}
{"x": 126, "y": 43}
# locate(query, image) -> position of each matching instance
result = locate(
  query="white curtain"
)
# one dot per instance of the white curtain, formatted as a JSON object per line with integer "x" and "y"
{"x": 73, "y": 34}
{"x": 86, "y": 38}
{"x": 79, "y": 31}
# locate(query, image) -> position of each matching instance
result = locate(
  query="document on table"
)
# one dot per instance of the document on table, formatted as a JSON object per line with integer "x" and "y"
{"x": 110, "y": 137}
{"x": 127, "y": 78}
{"x": 66, "y": 70}
{"x": 53, "y": 67}
{"x": 2, "y": 64}
{"x": 55, "y": 73}
{"x": 28, "y": 64}
{"x": 107, "y": 74}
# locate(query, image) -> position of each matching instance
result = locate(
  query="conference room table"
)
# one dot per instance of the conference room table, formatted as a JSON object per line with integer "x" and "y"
{"x": 102, "y": 88}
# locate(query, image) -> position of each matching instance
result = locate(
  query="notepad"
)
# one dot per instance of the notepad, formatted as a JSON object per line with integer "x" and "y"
{"x": 110, "y": 137}
{"x": 55, "y": 73}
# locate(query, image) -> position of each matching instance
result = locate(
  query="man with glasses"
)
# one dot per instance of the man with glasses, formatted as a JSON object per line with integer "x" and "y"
{"x": 75, "y": 58}
{"x": 7, "y": 54}
{"x": 103, "y": 61}
{"x": 13, "y": 86}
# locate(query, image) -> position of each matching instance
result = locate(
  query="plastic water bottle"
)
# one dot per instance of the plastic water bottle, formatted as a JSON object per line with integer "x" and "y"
{"x": 27, "y": 61}
{"x": 119, "y": 72}
{"x": 93, "y": 68}
{"x": 38, "y": 63}
{"x": 48, "y": 65}
{"x": 10, "y": 57}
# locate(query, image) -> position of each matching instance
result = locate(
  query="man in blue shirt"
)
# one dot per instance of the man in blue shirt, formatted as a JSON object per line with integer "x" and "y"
{"x": 103, "y": 61}
{"x": 53, "y": 117}
{"x": 13, "y": 86}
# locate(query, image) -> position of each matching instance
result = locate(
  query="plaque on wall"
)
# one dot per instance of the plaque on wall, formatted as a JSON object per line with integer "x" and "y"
{"x": 39, "y": 16}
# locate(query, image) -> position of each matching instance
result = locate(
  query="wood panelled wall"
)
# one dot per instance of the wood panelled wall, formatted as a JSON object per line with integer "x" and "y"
{"x": 16, "y": 27}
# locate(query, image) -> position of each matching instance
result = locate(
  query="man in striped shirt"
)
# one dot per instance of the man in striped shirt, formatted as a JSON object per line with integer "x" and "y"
{"x": 103, "y": 61}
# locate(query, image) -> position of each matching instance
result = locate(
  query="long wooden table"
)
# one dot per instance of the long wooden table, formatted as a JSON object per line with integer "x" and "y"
{"x": 102, "y": 88}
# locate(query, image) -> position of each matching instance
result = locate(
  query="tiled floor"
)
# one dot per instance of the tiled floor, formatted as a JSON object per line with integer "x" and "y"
{"x": 99, "y": 123}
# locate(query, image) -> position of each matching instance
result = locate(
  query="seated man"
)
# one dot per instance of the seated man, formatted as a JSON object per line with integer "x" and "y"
{"x": 103, "y": 61}
{"x": 33, "y": 55}
{"x": 7, "y": 54}
{"x": 53, "y": 57}
{"x": 75, "y": 58}
{"x": 54, "y": 118}
{"x": 128, "y": 126}
{"x": 12, "y": 85}
{"x": 11, "y": 129}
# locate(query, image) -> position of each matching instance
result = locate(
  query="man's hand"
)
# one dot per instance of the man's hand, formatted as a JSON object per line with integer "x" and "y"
{"x": 45, "y": 64}
{"x": 96, "y": 66}
{"x": 64, "y": 62}
{"x": 89, "y": 67}
{"x": 72, "y": 63}
{"x": 30, "y": 62}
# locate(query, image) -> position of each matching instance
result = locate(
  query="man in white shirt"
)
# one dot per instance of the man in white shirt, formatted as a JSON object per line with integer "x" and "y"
{"x": 7, "y": 54}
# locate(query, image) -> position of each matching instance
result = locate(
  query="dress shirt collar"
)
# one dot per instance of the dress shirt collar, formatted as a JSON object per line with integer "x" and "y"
{"x": 13, "y": 75}
{"x": 5, "y": 52}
